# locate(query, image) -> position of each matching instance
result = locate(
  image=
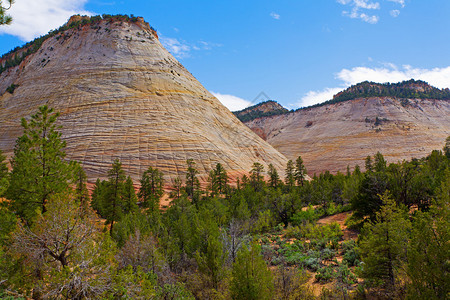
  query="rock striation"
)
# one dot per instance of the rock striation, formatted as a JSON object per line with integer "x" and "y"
{"x": 121, "y": 94}
{"x": 334, "y": 135}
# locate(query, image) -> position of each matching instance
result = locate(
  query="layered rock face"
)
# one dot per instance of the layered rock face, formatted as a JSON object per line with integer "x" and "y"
{"x": 122, "y": 95}
{"x": 332, "y": 136}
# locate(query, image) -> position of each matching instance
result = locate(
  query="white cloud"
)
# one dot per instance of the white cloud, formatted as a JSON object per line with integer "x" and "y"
{"x": 401, "y": 2}
{"x": 233, "y": 103}
{"x": 181, "y": 49}
{"x": 275, "y": 15}
{"x": 32, "y": 18}
{"x": 360, "y": 9}
{"x": 314, "y": 97}
{"x": 174, "y": 46}
{"x": 395, "y": 13}
{"x": 438, "y": 77}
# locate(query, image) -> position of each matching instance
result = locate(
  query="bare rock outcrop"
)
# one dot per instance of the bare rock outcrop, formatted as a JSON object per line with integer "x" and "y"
{"x": 121, "y": 94}
{"x": 332, "y": 136}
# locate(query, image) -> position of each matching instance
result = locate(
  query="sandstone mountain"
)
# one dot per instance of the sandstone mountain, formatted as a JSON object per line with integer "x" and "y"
{"x": 402, "y": 121}
{"x": 121, "y": 94}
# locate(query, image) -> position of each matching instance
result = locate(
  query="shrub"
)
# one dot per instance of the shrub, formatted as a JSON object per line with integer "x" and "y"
{"x": 325, "y": 274}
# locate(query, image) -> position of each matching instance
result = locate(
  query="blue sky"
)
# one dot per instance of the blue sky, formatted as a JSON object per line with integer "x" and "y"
{"x": 298, "y": 52}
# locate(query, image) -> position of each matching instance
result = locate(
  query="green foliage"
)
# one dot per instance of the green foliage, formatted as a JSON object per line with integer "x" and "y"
{"x": 383, "y": 245}
{"x": 4, "y": 177}
{"x": 10, "y": 89}
{"x": 253, "y": 112}
{"x": 289, "y": 180}
{"x": 300, "y": 171}
{"x": 251, "y": 279}
{"x": 256, "y": 176}
{"x": 428, "y": 265}
{"x": 39, "y": 168}
{"x": 152, "y": 189}
{"x": 5, "y": 19}
{"x": 325, "y": 274}
{"x": 402, "y": 90}
{"x": 192, "y": 182}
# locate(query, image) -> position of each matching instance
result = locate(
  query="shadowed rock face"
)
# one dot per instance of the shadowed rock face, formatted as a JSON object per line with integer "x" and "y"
{"x": 122, "y": 95}
{"x": 333, "y": 136}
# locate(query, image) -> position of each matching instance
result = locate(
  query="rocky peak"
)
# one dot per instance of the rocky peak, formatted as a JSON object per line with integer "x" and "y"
{"x": 121, "y": 94}
{"x": 263, "y": 109}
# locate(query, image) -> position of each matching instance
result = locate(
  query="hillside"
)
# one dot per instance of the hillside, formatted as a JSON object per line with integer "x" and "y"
{"x": 263, "y": 109}
{"x": 333, "y": 135}
{"x": 122, "y": 95}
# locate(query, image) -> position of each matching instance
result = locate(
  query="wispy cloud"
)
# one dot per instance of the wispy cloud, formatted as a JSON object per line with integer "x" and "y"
{"x": 365, "y": 9}
{"x": 182, "y": 49}
{"x": 395, "y": 13}
{"x": 233, "y": 103}
{"x": 275, "y": 16}
{"x": 32, "y": 18}
{"x": 438, "y": 77}
{"x": 401, "y": 2}
{"x": 179, "y": 49}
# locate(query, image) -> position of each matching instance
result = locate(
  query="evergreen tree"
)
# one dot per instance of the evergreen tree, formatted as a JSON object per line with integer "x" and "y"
{"x": 4, "y": 18}
{"x": 289, "y": 180}
{"x": 129, "y": 198}
{"x": 152, "y": 188}
{"x": 111, "y": 203}
{"x": 429, "y": 248}
{"x": 251, "y": 278}
{"x": 256, "y": 177}
{"x": 300, "y": 171}
{"x": 274, "y": 178}
{"x": 81, "y": 191}
{"x": 218, "y": 179}
{"x": 39, "y": 168}
{"x": 4, "y": 180}
{"x": 192, "y": 182}
{"x": 97, "y": 196}
{"x": 368, "y": 164}
{"x": 447, "y": 147}
{"x": 383, "y": 245}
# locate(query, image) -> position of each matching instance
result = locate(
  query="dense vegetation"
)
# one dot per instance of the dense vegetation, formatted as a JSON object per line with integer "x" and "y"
{"x": 255, "y": 111}
{"x": 17, "y": 55}
{"x": 260, "y": 239}
{"x": 411, "y": 89}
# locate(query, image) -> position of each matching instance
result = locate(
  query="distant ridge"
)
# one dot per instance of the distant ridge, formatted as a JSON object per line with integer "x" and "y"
{"x": 263, "y": 109}
{"x": 401, "y": 120}
{"x": 410, "y": 89}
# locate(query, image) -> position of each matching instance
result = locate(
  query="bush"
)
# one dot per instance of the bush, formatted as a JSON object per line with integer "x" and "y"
{"x": 325, "y": 274}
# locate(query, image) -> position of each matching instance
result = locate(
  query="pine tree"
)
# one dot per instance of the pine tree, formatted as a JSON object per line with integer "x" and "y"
{"x": 81, "y": 191}
{"x": 111, "y": 203}
{"x": 4, "y": 18}
{"x": 129, "y": 198}
{"x": 39, "y": 168}
{"x": 256, "y": 176}
{"x": 447, "y": 147}
{"x": 300, "y": 171}
{"x": 192, "y": 182}
{"x": 218, "y": 179}
{"x": 4, "y": 180}
{"x": 383, "y": 245}
{"x": 429, "y": 248}
{"x": 274, "y": 178}
{"x": 289, "y": 180}
{"x": 251, "y": 278}
{"x": 152, "y": 189}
